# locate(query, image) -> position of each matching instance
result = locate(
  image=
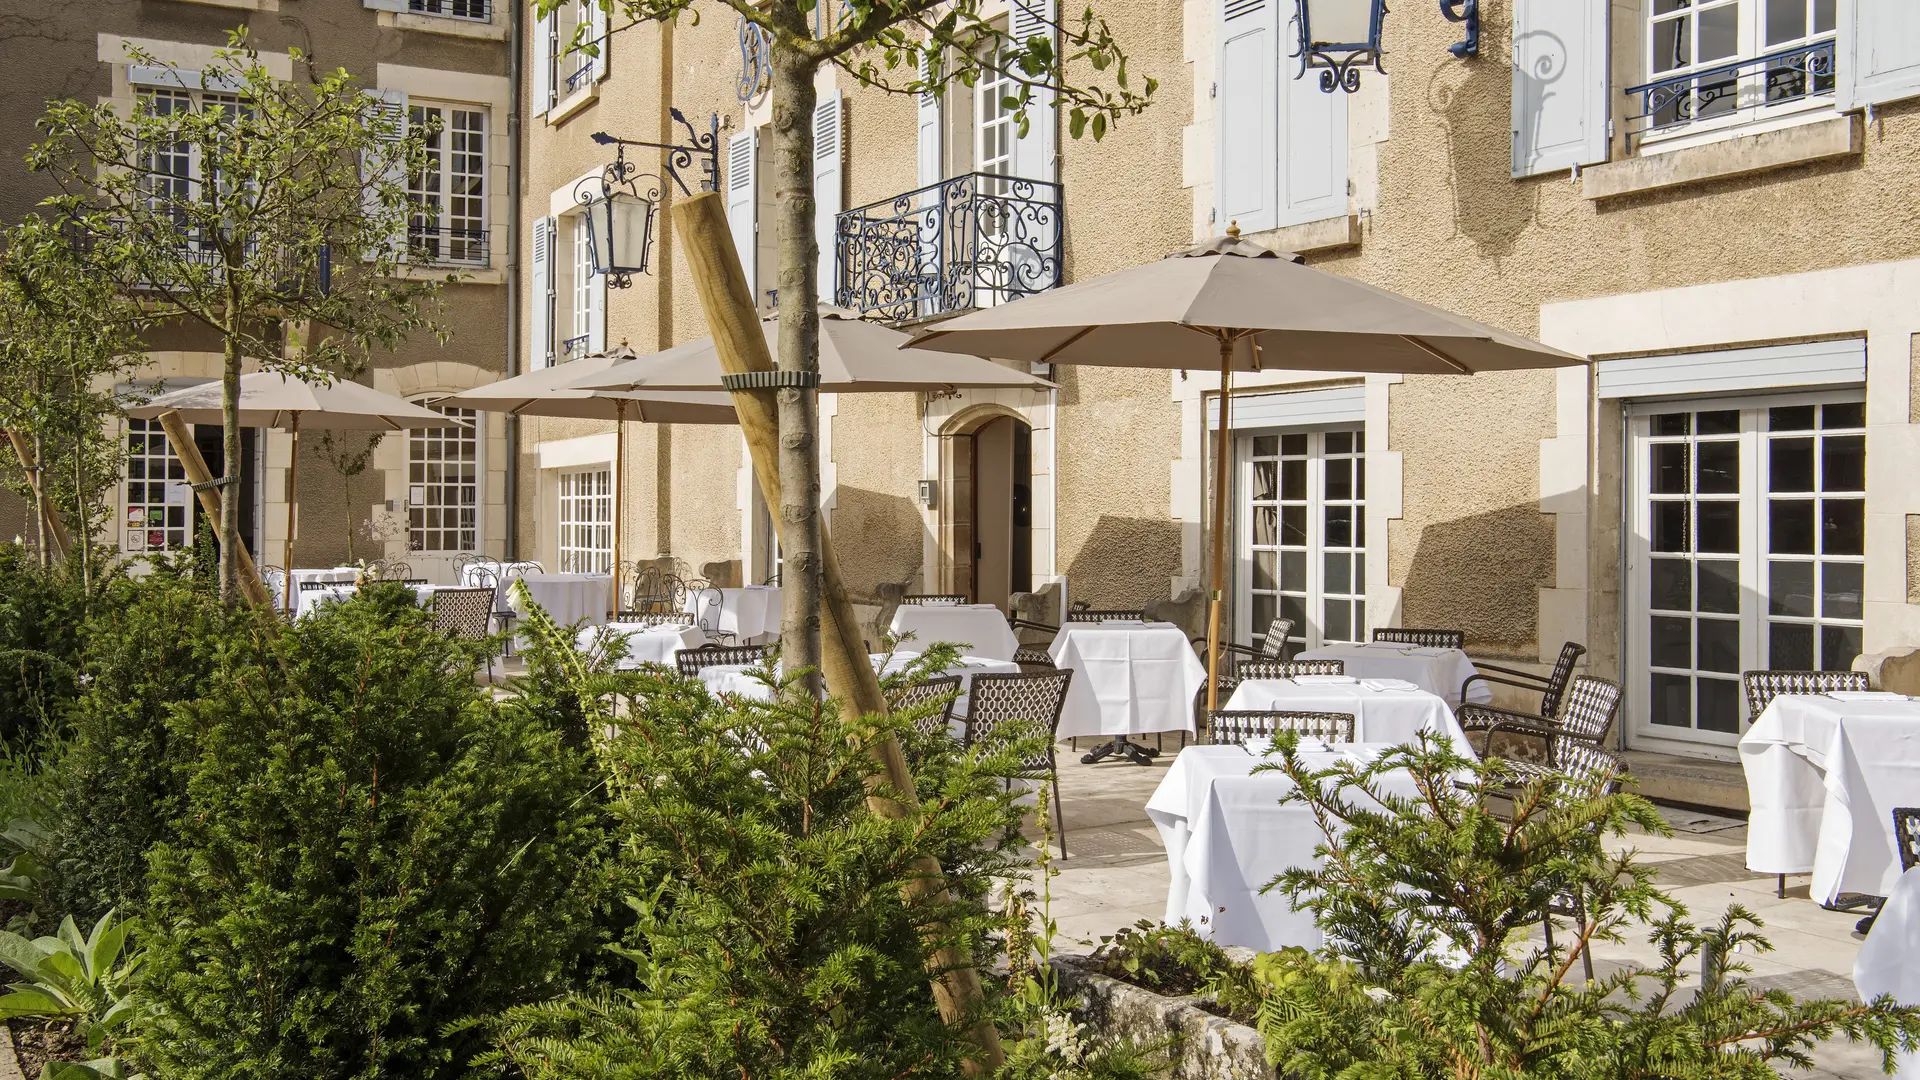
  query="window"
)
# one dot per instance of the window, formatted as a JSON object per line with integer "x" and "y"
{"x": 573, "y": 67}
{"x": 1303, "y": 536}
{"x": 443, "y": 485}
{"x": 449, "y": 219}
{"x": 994, "y": 127}
{"x": 159, "y": 504}
{"x": 1751, "y": 519}
{"x": 586, "y": 521}
{"x": 1733, "y": 60}
{"x": 586, "y": 293}
{"x": 177, "y": 172}
{"x": 476, "y": 10}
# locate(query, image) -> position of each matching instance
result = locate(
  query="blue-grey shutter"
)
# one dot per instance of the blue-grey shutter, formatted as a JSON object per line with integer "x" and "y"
{"x": 541, "y": 42}
{"x": 1560, "y": 101}
{"x": 929, "y": 172}
{"x": 1879, "y": 52}
{"x": 743, "y": 204}
{"x": 597, "y": 29}
{"x": 1313, "y": 152}
{"x": 1034, "y": 155}
{"x": 390, "y": 106}
{"x": 828, "y": 199}
{"x": 1247, "y": 55}
{"x": 540, "y": 295}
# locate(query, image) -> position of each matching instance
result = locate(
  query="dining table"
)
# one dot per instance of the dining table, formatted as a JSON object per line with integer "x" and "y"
{"x": 1385, "y": 711}
{"x": 749, "y": 681}
{"x": 566, "y": 598}
{"x": 747, "y": 614}
{"x": 1227, "y": 834}
{"x": 308, "y": 601}
{"x": 1889, "y": 960}
{"x": 1824, "y": 773}
{"x": 978, "y": 629}
{"x": 1439, "y": 671}
{"x": 647, "y": 643}
{"x": 1131, "y": 677}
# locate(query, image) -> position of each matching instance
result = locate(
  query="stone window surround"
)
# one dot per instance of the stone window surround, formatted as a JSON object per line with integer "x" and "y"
{"x": 1039, "y": 411}
{"x": 438, "y": 86}
{"x": 436, "y": 379}
{"x": 554, "y": 455}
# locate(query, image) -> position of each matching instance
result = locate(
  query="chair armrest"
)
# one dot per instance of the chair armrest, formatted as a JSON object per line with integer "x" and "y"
{"x": 1200, "y": 645}
{"x": 1492, "y": 718}
{"x": 1484, "y": 666}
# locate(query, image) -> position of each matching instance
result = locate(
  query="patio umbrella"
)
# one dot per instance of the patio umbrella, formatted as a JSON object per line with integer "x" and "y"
{"x": 856, "y": 356}
{"x": 1234, "y": 303}
{"x": 275, "y": 400}
{"x": 550, "y": 392}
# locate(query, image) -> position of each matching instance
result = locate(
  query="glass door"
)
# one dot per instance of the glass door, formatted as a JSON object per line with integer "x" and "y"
{"x": 1302, "y": 537}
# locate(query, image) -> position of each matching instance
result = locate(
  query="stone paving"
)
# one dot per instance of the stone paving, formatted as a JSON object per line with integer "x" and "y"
{"x": 1116, "y": 873}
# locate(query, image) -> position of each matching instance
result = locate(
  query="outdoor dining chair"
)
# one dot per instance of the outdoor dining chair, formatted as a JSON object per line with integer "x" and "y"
{"x": 1425, "y": 638}
{"x": 1590, "y": 708}
{"x": 944, "y": 690}
{"x": 1906, "y": 838}
{"x": 390, "y": 570}
{"x": 1096, "y": 615}
{"x": 692, "y": 661}
{"x": 1763, "y": 686}
{"x": 707, "y": 607}
{"x": 1272, "y": 647}
{"x": 1235, "y": 726}
{"x": 1551, "y": 687}
{"x": 1033, "y": 698}
{"x": 934, "y": 598}
{"x": 1587, "y": 765}
{"x": 1286, "y": 669}
{"x": 464, "y": 612}
{"x": 654, "y": 618}
{"x": 316, "y": 586}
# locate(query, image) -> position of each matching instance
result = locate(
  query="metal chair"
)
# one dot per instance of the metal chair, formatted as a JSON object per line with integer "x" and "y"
{"x": 645, "y": 588}
{"x": 1552, "y": 686}
{"x": 945, "y": 689}
{"x": 692, "y": 661}
{"x": 655, "y": 618}
{"x": 1426, "y": 638}
{"x": 1906, "y": 834}
{"x": 1763, "y": 686}
{"x": 1036, "y": 698}
{"x": 1286, "y": 669}
{"x": 1094, "y": 615}
{"x": 464, "y": 612}
{"x": 390, "y": 570}
{"x": 1596, "y": 772}
{"x": 1590, "y": 708}
{"x": 934, "y": 598}
{"x": 316, "y": 586}
{"x": 415, "y": 581}
{"x": 1235, "y": 726}
{"x": 707, "y": 605}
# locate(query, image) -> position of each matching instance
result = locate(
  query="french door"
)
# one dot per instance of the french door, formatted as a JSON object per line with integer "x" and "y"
{"x": 1301, "y": 537}
{"x": 1747, "y": 550}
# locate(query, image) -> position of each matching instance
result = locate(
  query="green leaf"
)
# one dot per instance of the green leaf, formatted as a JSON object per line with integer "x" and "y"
{"x": 34, "y": 1003}
{"x": 1099, "y": 126}
{"x": 1077, "y": 123}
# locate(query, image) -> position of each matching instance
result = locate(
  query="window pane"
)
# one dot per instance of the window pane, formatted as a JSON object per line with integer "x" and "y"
{"x": 1823, "y": 20}
{"x": 1263, "y": 570}
{"x": 1262, "y": 614}
{"x": 1339, "y": 442}
{"x": 1670, "y": 468}
{"x": 1339, "y": 479}
{"x": 1839, "y": 646}
{"x": 1843, "y": 463}
{"x": 1266, "y": 445}
{"x": 1360, "y": 577}
{"x": 1670, "y": 526}
{"x": 1790, "y": 646}
{"x": 1843, "y": 526}
{"x": 1672, "y": 700}
{"x": 1293, "y": 570}
{"x": 1266, "y": 480}
{"x": 1670, "y": 644}
{"x": 1671, "y": 585}
{"x": 1720, "y": 586}
{"x": 1790, "y": 418}
{"x": 1295, "y": 608}
{"x": 1719, "y": 468}
{"x": 1293, "y": 445}
{"x": 1339, "y": 526}
{"x": 1719, "y": 643}
{"x": 1790, "y": 589}
{"x": 1337, "y": 579}
{"x": 1845, "y": 414}
{"x": 1678, "y": 423}
{"x": 1263, "y": 519}
{"x": 1719, "y": 527}
{"x": 1790, "y": 465}
{"x": 1293, "y": 479}
{"x": 1840, "y": 585}
{"x": 1719, "y": 705}
{"x": 1339, "y": 624}
{"x": 1786, "y": 20}
{"x": 1724, "y": 422}
{"x": 1790, "y": 527}
{"x": 1293, "y": 526}
{"x": 1671, "y": 47}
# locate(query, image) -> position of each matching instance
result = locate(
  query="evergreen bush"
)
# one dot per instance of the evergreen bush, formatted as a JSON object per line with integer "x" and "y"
{"x": 42, "y": 610}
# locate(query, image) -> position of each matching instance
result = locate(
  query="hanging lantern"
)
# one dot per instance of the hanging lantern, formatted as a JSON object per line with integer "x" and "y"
{"x": 1339, "y": 36}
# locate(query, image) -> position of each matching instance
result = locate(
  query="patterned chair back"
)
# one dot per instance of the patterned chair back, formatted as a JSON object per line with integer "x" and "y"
{"x": 1035, "y": 697}
{"x": 464, "y": 611}
{"x": 934, "y": 598}
{"x": 1097, "y": 615}
{"x": 1426, "y": 638}
{"x": 945, "y": 690}
{"x": 655, "y": 618}
{"x": 1764, "y": 686}
{"x": 316, "y": 586}
{"x": 1235, "y": 726}
{"x": 1570, "y": 654}
{"x": 1591, "y": 705}
{"x": 1287, "y": 669}
{"x": 1274, "y": 645}
{"x": 1906, "y": 835}
{"x": 691, "y": 661}
{"x": 1583, "y": 761}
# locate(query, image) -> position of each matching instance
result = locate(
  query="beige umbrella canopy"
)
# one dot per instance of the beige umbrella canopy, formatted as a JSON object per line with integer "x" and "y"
{"x": 856, "y": 356}
{"x": 274, "y": 400}
{"x": 1233, "y": 303}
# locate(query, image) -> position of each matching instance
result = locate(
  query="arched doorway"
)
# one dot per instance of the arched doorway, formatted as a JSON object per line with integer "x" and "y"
{"x": 987, "y": 507}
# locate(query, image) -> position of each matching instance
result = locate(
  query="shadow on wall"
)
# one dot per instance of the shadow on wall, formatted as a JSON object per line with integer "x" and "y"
{"x": 880, "y": 539}
{"x": 1482, "y": 574}
{"x": 1472, "y": 104}
{"x": 1125, "y": 562}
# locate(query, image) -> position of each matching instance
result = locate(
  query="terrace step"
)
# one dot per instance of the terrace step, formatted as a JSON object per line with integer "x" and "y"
{"x": 1670, "y": 778}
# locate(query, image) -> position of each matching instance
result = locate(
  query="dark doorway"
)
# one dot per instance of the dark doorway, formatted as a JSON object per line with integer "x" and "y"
{"x": 207, "y": 438}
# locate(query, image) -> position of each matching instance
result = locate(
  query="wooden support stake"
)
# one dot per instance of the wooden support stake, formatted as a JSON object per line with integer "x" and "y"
{"x": 198, "y": 475}
{"x": 728, "y": 303}
{"x": 56, "y": 529}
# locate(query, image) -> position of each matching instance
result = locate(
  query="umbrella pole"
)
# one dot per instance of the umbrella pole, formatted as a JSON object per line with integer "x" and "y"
{"x": 1222, "y": 455}
{"x": 619, "y": 493}
{"x": 293, "y": 488}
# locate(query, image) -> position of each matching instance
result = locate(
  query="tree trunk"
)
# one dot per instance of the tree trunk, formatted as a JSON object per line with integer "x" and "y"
{"x": 230, "y": 452}
{"x": 799, "y": 406}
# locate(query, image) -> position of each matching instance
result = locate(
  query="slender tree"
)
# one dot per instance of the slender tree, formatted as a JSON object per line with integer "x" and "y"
{"x": 901, "y": 47}
{"x": 236, "y": 202}
{"x": 348, "y": 453}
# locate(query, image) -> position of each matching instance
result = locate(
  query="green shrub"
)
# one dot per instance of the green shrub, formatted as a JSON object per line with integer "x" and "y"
{"x": 86, "y": 981}
{"x": 42, "y": 612}
{"x": 368, "y": 851}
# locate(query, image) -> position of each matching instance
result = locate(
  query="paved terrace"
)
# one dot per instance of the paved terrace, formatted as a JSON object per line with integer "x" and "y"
{"x": 1117, "y": 873}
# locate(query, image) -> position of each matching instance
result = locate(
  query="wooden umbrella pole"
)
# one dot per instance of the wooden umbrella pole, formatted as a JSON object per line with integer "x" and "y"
{"x": 62, "y": 542}
{"x": 1220, "y": 461}
{"x": 619, "y": 494}
{"x": 293, "y": 522}
{"x": 728, "y": 303}
{"x": 201, "y": 478}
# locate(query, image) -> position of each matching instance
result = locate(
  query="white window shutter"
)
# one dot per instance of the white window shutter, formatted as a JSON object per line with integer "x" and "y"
{"x": 743, "y": 204}
{"x": 1561, "y": 102}
{"x": 828, "y": 199}
{"x": 540, "y": 295}
{"x": 391, "y": 105}
{"x": 1034, "y": 156}
{"x": 597, "y": 27}
{"x": 931, "y": 169}
{"x": 1878, "y": 58}
{"x": 542, "y": 42}
{"x": 1246, "y": 123}
{"x": 1313, "y": 152}
{"x": 597, "y": 314}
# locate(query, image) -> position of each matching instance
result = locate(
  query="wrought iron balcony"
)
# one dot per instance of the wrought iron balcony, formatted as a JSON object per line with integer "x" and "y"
{"x": 476, "y": 10}
{"x": 973, "y": 241}
{"x": 574, "y": 348}
{"x": 435, "y": 246}
{"x": 1674, "y": 101}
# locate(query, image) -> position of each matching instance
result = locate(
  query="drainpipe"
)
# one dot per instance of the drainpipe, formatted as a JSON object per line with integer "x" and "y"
{"x": 514, "y": 30}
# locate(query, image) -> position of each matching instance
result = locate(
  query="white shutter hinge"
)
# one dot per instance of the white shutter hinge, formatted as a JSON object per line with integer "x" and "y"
{"x": 1213, "y": 90}
{"x": 1573, "y": 176}
{"x": 1609, "y": 127}
{"x": 1213, "y": 215}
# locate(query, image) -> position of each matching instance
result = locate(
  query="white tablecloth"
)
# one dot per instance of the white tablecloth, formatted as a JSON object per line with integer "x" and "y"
{"x": 747, "y": 613}
{"x": 1128, "y": 678}
{"x": 567, "y": 598}
{"x": 1227, "y": 835}
{"x": 1379, "y": 716}
{"x": 336, "y": 574}
{"x": 743, "y": 680}
{"x": 1437, "y": 671}
{"x": 646, "y": 644}
{"x": 310, "y": 600}
{"x": 1889, "y": 960}
{"x": 1823, "y": 777}
{"x": 979, "y": 629}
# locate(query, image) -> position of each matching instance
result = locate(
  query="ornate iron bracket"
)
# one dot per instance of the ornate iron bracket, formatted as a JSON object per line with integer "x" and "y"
{"x": 1339, "y": 71}
{"x": 1464, "y": 11}
{"x": 701, "y": 146}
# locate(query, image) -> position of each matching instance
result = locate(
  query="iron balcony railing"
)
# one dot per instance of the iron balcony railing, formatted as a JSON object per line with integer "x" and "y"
{"x": 1674, "y": 101}
{"x": 477, "y": 10}
{"x": 574, "y": 348}
{"x": 441, "y": 246}
{"x": 976, "y": 240}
